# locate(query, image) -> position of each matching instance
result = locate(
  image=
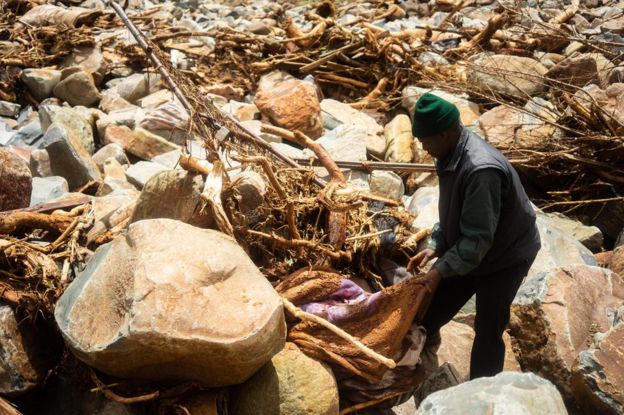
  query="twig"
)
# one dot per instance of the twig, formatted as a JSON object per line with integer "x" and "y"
{"x": 302, "y": 315}
{"x": 121, "y": 399}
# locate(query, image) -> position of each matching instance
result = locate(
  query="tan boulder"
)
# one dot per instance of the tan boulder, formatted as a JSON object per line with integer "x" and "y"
{"x": 457, "y": 339}
{"x": 616, "y": 261}
{"x": 609, "y": 100}
{"x": 78, "y": 88}
{"x": 555, "y": 314}
{"x": 168, "y": 301}
{"x": 291, "y": 383}
{"x": 399, "y": 139}
{"x": 290, "y": 103}
{"x": 147, "y": 145}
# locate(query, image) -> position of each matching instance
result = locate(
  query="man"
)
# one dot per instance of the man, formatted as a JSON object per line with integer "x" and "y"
{"x": 486, "y": 239}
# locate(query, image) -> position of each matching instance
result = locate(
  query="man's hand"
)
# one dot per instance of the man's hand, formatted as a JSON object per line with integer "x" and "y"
{"x": 421, "y": 259}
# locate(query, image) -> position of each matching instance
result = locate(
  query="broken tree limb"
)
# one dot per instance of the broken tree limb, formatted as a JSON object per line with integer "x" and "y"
{"x": 302, "y": 315}
{"x": 10, "y": 222}
{"x": 296, "y": 243}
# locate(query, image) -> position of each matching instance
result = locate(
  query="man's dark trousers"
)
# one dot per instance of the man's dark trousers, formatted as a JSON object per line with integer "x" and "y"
{"x": 494, "y": 294}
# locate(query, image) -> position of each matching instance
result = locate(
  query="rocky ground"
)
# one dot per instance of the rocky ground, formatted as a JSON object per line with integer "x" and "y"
{"x": 216, "y": 217}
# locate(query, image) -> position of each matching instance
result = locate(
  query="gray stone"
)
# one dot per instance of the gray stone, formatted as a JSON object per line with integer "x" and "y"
{"x": 69, "y": 159}
{"x": 132, "y": 88}
{"x": 590, "y": 236}
{"x": 424, "y": 204}
{"x": 291, "y": 383}
{"x": 110, "y": 150}
{"x": 255, "y": 126}
{"x": 90, "y": 59}
{"x": 46, "y": 189}
{"x": 77, "y": 125}
{"x": 152, "y": 305}
{"x": 139, "y": 173}
{"x": 15, "y": 181}
{"x": 335, "y": 113}
{"x": 558, "y": 249}
{"x": 387, "y": 184}
{"x": 41, "y": 82}
{"x": 40, "y": 164}
{"x": 28, "y": 136}
{"x": 181, "y": 190}
{"x": 508, "y": 393}
{"x": 346, "y": 142}
{"x": 77, "y": 89}
{"x": 9, "y": 109}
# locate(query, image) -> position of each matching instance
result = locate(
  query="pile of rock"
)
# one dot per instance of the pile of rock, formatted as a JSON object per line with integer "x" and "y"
{"x": 170, "y": 300}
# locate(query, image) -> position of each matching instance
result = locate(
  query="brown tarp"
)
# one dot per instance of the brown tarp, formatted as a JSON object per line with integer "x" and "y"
{"x": 383, "y": 330}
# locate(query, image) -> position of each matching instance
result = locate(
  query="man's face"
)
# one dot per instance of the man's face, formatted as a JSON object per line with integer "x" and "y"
{"x": 436, "y": 145}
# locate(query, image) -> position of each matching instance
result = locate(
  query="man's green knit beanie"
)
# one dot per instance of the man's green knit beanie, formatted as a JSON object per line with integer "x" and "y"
{"x": 432, "y": 115}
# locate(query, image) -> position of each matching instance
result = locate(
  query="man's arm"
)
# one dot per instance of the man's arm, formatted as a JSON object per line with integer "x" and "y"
{"x": 436, "y": 242}
{"x": 477, "y": 225}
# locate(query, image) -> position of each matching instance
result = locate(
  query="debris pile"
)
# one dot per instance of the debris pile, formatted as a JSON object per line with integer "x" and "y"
{"x": 207, "y": 206}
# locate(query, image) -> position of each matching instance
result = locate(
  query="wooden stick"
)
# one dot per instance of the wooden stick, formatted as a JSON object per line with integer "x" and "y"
{"x": 302, "y": 315}
{"x": 370, "y": 403}
{"x": 373, "y": 165}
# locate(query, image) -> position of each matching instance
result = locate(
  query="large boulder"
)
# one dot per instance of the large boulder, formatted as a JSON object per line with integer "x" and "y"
{"x": 517, "y": 76}
{"x": 15, "y": 181}
{"x": 290, "y": 384}
{"x": 181, "y": 190}
{"x": 508, "y": 393}
{"x": 168, "y": 301}
{"x": 598, "y": 375}
{"x": 555, "y": 314}
{"x": 290, "y": 103}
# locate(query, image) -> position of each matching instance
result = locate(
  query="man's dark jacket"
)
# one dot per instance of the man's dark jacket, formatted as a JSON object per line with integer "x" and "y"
{"x": 516, "y": 238}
